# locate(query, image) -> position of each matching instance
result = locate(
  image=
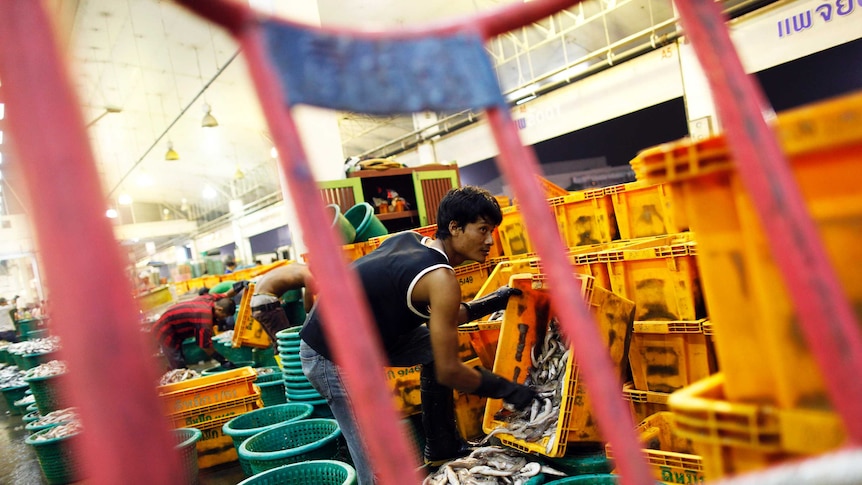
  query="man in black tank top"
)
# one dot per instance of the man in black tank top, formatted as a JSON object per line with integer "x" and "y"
{"x": 415, "y": 300}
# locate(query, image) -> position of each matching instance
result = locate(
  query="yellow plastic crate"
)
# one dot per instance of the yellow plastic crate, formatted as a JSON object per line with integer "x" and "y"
{"x": 469, "y": 411}
{"x": 155, "y": 298}
{"x": 671, "y": 458}
{"x": 742, "y": 285}
{"x": 248, "y": 332}
{"x": 665, "y": 356}
{"x": 526, "y": 321}
{"x": 586, "y": 217}
{"x": 216, "y": 412}
{"x": 735, "y": 438}
{"x": 207, "y": 390}
{"x": 643, "y": 209}
{"x": 663, "y": 281}
{"x": 215, "y": 447}
{"x": 404, "y": 384}
{"x": 644, "y": 404}
{"x": 513, "y": 233}
{"x": 483, "y": 340}
{"x": 471, "y": 277}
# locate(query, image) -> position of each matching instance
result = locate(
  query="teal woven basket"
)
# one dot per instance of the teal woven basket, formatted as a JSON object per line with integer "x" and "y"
{"x": 12, "y": 394}
{"x": 317, "y": 472}
{"x": 31, "y": 416}
{"x": 275, "y": 374}
{"x": 46, "y": 391}
{"x": 249, "y": 424}
{"x": 187, "y": 439}
{"x": 303, "y": 440}
{"x": 55, "y": 457}
{"x": 35, "y": 426}
{"x": 192, "y": 353}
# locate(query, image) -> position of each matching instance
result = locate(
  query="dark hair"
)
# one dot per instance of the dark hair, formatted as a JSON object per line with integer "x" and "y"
{"x": 465, "y": 205}
{"x": 227, "y": 305}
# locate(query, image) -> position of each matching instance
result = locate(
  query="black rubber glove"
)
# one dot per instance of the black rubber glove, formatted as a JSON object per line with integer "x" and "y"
{"x": 497, "y": 387}
{"x": 491, "y": 303}
{"x": 219, "y": 358}
{"x": 228, "y": 365}
{"x": 239, "y": 286}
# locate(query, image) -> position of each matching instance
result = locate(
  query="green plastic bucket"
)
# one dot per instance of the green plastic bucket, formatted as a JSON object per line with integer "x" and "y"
{"x": 303, "y": 440}
{"x": 343, "y": 226}
{"x": 367, "y": 225}
{"x": 12, "y": 394}
{"x": 318, "y": 472}
{"x": 251, "y": 423}
{"x": 187, "y": 439}
{"x": 47, "y": 393}
{"x": 192, "y": 353}
{"x": 56, "y": 458}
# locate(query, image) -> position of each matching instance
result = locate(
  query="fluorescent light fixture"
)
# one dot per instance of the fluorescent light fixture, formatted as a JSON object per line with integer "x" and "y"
{"x": 124, "y": 199}
{"x": 2, "y": 110}
{"x": 273, "y": 152}
{"x": 209, "y": 193}
{"x": 524, "y": 100}
{"x": 111, "y": 213}
{"x": 527, "y": 90}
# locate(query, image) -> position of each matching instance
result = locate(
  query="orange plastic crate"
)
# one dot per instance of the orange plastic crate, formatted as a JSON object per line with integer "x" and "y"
{"x": 586, "y": 217}
{"x": 471, "y": 277}
{"x": 671, "y": 458}
{"x": 644, "y": 404}
{"x": 404, "y": 384}
{"x": 526, "y": 320}
{"x": 667, "y": 355}
{"x": 483, "y": 339}
{"x": 219, "y": 411}
{"x": 735, "y": 437}
{"x": 742, "y": 286}
{"x": 643, "y": 209}
{"x": 207, "y": 390}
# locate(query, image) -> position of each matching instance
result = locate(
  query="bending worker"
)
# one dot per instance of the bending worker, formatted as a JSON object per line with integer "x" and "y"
{"x": 409, "y": 281}
{"x": 194, "y": 318}
{"x": 266, "y": 302}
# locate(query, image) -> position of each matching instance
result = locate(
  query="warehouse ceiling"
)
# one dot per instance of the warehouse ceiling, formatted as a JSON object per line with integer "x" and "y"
{"x": 146, "y": 70}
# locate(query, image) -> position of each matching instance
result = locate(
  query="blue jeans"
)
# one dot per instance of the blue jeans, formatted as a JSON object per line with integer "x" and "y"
{"x": 413, "y": 349}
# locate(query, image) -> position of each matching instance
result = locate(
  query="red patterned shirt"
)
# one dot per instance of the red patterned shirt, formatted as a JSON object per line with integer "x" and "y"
{"x": 193, "y": 318}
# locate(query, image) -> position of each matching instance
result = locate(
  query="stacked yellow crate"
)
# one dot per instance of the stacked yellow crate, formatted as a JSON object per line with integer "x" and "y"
{"x": 207, "y": 403}
{"x": 769, "y": 404}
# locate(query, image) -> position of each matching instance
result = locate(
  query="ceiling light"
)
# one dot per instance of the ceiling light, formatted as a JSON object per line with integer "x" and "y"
{"x": 273, "y": 152}
{"x": 184, "y": 205}
{"x": 111, "y": 213}
{"x": 124, "y": 199}
{"x": 239, "y": 174}
{"x": 171, "y": 154}
{"x": 209, "y": 120}
{"x": 209, "y": 192}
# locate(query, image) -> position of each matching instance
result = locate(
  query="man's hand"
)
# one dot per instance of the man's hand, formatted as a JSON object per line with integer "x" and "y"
{"x": 239, "y": 286}
{"x": 490, "y": 303}
{"x": 495, "y": 386}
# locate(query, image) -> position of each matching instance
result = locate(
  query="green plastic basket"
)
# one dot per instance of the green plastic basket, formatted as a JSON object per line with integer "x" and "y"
{"x": 234, "y": 354}
{"x": 46, "y": 391}
{"x": 187, "y": 439}
{"x": 55, "y": 457}
{"x": 249, "y": 424}
{"x": 317, "y": 472}
{"x": 5, "y": 358}
{"x": 12, "y": 394}
{"x": 367, "y": 225}
{"x": 290, "y": 333}
{"x": 303, "y": 440}
{"x": 272, "y": 393}
{"x": 31, "y": 416}
{"x": 35, "y": 426}
{"x": 585, "y": 463}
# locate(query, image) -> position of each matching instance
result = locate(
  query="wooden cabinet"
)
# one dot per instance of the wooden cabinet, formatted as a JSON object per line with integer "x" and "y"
{"x": 422, "y": 187}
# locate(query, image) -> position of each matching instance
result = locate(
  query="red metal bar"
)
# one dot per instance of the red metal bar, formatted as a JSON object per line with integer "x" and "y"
{"x": 520, "y": 167}
{"x": 112, "y": 375}
{"x": 349, "y": 328}
{"x": 826, "y": 316}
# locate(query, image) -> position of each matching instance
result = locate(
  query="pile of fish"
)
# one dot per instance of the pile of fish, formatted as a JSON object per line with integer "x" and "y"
{"x": 539, "y": 420}
{"x": 52, "y": 368}
{"x": 26, "y": 401}
{"x": 35, "y": 346}
{"x": 60, "y": 431}
{"x": 489, "y": 465}
{"x": 262, "y": 371}
{"x": 178, "y": 375}
{"x": 10, "y": 376}
{"x": 66, "y": 415}
{"x": 224, "y": 336}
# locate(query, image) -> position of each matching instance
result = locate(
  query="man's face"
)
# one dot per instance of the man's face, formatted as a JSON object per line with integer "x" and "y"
{"x": 474, "y": 241}
{"x": 220, "y": 314}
